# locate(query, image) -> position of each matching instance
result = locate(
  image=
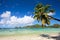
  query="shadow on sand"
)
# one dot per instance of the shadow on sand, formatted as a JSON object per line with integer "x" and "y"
{"x": 53, "y": 37}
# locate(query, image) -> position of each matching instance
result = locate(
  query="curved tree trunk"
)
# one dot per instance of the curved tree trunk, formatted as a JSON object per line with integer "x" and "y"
{"x": 53, "y": 18}
{"x": 43, "y": 23}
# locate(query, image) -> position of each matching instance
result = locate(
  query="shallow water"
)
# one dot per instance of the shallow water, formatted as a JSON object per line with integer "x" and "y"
{"x": 28, "y": 31}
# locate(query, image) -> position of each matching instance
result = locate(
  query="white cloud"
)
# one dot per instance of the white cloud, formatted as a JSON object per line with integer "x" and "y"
{"x": 2, "y": 22}
{"x": 6, "y": 14}
{"x": 50, "y": 14}
{"x": 13, "y": 21}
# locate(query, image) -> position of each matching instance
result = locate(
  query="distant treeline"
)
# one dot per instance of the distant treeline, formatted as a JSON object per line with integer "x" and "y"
{"x": 40, "y": 26}
{"x": 36, "y": 26}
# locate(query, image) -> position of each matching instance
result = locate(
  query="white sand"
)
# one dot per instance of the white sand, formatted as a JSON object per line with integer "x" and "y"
{"x": 26, "y": 37}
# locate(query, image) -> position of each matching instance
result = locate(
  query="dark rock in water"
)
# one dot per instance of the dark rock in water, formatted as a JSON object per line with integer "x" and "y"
{"x": 44, "y": 35}
{"x": 56, "y": 37}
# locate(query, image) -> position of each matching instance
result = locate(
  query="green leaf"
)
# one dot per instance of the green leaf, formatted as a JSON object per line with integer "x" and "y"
{"x": 52, "y": 10}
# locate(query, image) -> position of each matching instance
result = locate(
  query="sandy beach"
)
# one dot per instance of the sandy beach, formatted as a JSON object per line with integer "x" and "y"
{"x": 30, "y": 34}
{"x": 28, "y": 37}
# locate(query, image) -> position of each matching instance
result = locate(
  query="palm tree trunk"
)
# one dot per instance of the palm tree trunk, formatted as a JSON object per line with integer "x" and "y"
{"x": 43, "y": 22}
{"x": 54, "y": 18}
{"x": 42, "y": 26}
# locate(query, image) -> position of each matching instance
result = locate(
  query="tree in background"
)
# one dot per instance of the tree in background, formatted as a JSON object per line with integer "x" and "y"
{"x": 56, "y": 26}
{"x": 41, "y": 13}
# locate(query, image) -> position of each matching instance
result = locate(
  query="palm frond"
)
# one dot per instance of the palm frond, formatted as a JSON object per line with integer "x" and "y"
{"x": 47, "y": 22}
{"x": 39, "y": 5}
{"x": 52, "y": 10}
{"x": 46, "y": 7}
{"x": 54, "y": 18}
{"x": 37, "y": 17}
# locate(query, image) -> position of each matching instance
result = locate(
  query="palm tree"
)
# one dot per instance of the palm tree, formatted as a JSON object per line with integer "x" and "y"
{"x": 41, "y": 13}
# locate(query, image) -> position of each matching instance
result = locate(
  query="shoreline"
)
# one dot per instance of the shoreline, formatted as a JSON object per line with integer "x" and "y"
{"x": 29, "y": 34}
{"x": 32, "y": 33}
{"x": 28, "y": 37}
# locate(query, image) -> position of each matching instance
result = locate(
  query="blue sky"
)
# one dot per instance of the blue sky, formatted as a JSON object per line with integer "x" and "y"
{"x": 22, "y": 8}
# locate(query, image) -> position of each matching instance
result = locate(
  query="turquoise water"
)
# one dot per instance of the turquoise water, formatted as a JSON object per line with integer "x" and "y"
{"x": 28, "y": 31}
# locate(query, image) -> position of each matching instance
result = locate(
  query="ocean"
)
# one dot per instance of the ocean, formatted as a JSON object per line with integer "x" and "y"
{"x": 22, "y": 31}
